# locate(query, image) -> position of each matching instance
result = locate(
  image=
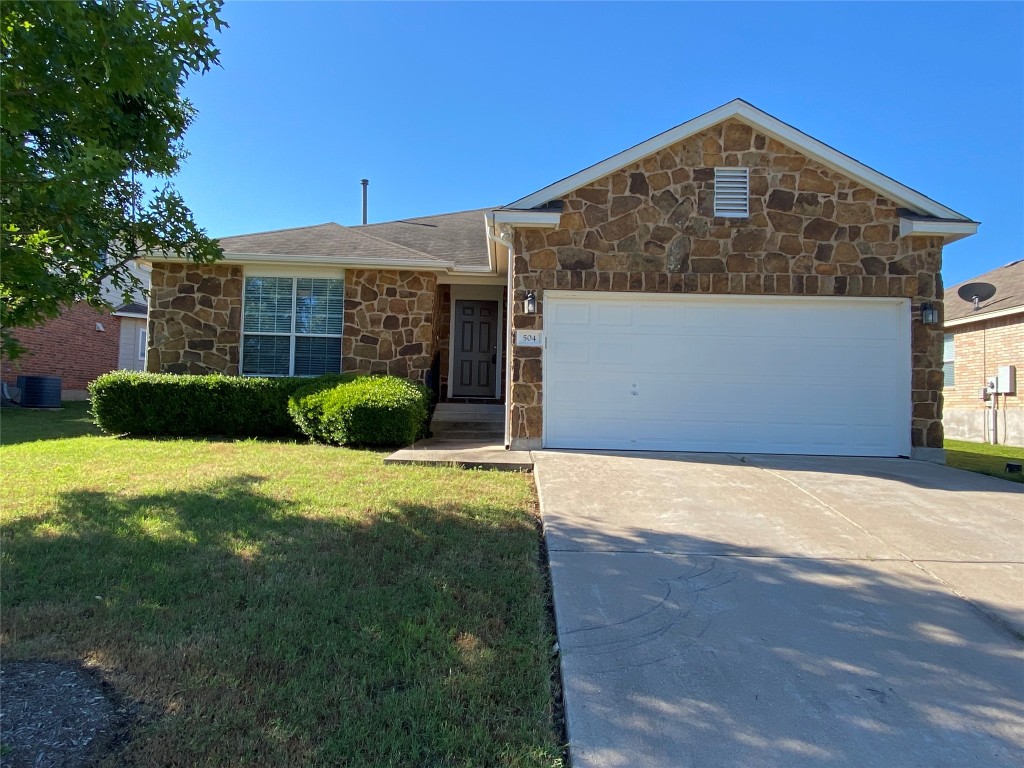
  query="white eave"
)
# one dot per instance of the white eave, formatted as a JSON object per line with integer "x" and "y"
{"x": 944, "y": 228}
{"x": 770, "y": 126}
{"x": 977, "y": 317}
{"x": 526, "y": 218}
{"x": 320, "y": 260}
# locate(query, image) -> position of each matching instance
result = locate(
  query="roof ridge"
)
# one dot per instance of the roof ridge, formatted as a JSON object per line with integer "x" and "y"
{"x": 428, "y": 216}
{"x": 396, "y": 245}
{"x": 282, "y": 229}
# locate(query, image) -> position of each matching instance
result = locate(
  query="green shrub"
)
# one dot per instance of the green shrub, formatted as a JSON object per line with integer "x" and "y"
{"x": 371, "y": 410}
{"x": 135, "y": 403}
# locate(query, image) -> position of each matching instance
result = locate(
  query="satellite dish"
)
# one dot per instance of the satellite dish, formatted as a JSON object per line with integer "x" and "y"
{"x": 976, "y": 292}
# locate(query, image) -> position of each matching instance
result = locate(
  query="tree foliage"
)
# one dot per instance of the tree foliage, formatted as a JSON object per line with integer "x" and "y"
{"x": 92, "y": 119}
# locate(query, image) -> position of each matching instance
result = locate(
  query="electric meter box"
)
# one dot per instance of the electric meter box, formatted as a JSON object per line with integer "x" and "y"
{"x": 1006, "y": 379}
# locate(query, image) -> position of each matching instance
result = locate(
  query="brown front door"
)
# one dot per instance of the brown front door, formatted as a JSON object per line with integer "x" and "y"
{"x": 475, "y": 348}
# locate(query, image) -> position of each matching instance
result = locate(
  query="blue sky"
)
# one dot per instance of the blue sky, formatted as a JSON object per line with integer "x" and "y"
{"x": 450, "y": 106}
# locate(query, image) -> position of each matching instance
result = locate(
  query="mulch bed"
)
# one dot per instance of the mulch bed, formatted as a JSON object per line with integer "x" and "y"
{"x": 59, "y": 714}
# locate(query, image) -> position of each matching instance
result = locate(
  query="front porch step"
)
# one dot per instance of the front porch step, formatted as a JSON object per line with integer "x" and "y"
{"x": 466, "y": 420}
{"x": 492, "y": 435}
{"x": 467, "y": 426}
{"x": 476, "y": 411}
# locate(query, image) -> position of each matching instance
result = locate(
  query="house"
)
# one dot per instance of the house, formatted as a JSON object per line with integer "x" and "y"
{"x": 84, "y": 341}
{"x": 732, "y": 284}
{"x": 980, "y": 340}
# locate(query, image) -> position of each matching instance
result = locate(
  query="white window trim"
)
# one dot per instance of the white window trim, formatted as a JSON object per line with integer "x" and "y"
{"x": 142, "y": 344}
{"x": 726, "y": 213}
{"x": 952, "y": 339}
{"x": 294, "y": 276}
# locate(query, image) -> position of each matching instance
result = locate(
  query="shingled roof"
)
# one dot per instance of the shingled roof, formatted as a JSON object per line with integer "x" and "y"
{"x": 1008, "y": 281}
{"x": 457, "y": 239}
{"x": 460, "y": 237}
{"x": 328, "y": 239}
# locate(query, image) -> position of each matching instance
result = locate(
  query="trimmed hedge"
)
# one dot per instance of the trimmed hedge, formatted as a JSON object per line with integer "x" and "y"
{"x": 370, "y": 410}
{"x": 135, "y": 403}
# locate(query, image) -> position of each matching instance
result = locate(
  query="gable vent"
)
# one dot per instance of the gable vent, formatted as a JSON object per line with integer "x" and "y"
{"x": 732, "y": 191}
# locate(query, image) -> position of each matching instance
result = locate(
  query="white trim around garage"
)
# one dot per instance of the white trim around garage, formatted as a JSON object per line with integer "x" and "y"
{"x": 635, "y": 371}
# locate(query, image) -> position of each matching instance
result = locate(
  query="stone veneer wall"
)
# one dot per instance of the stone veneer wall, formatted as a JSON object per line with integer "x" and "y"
{"x": 195, "y": 314}
{"x": 389, "y": 319}
{"x": 650, "y": 227}
{"x": 442, "y": 337}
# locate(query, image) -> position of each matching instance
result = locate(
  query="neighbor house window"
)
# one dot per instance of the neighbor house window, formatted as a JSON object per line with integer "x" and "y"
{"x": 142, "y": 343}
{"x": 291, "y": 326}
{"x": 732, "y": 192}
{"x": 948, "y": 360}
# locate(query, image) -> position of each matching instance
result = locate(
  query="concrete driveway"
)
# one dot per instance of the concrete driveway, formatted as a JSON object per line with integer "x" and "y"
{"x": 719, "y": 610}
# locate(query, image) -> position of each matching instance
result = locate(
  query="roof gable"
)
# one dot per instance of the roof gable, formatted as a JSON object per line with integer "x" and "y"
{"x": 745, "y": 112}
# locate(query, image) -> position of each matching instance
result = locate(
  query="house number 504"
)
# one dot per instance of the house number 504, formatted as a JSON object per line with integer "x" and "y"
{"x": 529, "y": 338}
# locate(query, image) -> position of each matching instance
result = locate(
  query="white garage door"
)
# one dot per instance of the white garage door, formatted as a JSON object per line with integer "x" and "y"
{"x": 827, "y": 376}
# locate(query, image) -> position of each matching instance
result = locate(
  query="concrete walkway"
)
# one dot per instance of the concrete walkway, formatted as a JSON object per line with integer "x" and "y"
{"x": 785, "y": 611}
{"x": 466, "y": 453}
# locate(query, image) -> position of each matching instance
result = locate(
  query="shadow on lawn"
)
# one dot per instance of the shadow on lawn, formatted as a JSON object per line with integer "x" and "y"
{"x": 28, "y": 425}
{"x": 404, "y": 635}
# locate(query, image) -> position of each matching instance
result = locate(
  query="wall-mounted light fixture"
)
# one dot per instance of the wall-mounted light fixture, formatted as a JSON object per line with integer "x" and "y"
{"x": 929, "y": 314}
{"x": 531, "y": 303}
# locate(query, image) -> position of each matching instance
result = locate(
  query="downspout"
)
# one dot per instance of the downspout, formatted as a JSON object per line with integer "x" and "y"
{"x": 510, "y": 337}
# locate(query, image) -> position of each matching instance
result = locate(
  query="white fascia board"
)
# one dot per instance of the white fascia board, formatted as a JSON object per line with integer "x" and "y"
{"x": 948, "y": 230}
{"x": 462, "y": 278}
{"x": 137, "y": 315}
{"x": 350, "y": 262}
{"x": 528, "y": 218}
{"x": 978, "y": 317}
{"x": 768, "y": 125}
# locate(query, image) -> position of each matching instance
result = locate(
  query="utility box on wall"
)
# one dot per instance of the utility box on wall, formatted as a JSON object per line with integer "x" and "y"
{"x": 1006, "y": 379}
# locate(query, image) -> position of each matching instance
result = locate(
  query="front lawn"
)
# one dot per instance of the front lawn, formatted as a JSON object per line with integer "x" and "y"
{"x": 984, "y": 458}
{"x": 280, "y": 603}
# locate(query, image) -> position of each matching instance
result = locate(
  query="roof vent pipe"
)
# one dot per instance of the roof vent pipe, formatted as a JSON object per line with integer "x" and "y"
{"x": 365, "y": 183}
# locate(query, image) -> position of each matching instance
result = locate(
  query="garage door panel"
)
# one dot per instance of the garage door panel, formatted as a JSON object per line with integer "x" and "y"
{"x": 618, "y": 315}
{"x": 789, "y": 376}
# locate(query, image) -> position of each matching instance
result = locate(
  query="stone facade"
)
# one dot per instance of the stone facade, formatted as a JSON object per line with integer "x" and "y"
{"x": 195, "y": 314}
{"x": 442, "y": 337}
{"x": 651, "y": 227}
{"x": 389, "y": 321}
{"x": 979, "y": 349}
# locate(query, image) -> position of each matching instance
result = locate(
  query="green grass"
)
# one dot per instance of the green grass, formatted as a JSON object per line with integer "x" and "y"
{"x": 984, "y": 458}
{"x": 281, "y": 603}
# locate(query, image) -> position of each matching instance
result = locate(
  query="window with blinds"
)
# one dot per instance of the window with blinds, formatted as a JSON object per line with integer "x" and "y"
{"x": 292, "y": 326}
{"x": 948, "y": 360}
{"x": 732, "y": 192}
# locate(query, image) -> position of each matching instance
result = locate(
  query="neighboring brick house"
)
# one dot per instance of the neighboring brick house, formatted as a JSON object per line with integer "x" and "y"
{"x": 84, "y": 342}
{"x": 729, "y": 285}
{"x": 977, "y": 343}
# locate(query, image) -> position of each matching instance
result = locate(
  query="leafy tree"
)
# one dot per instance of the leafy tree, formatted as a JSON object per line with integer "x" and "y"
{"x": 91, "y": 111}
